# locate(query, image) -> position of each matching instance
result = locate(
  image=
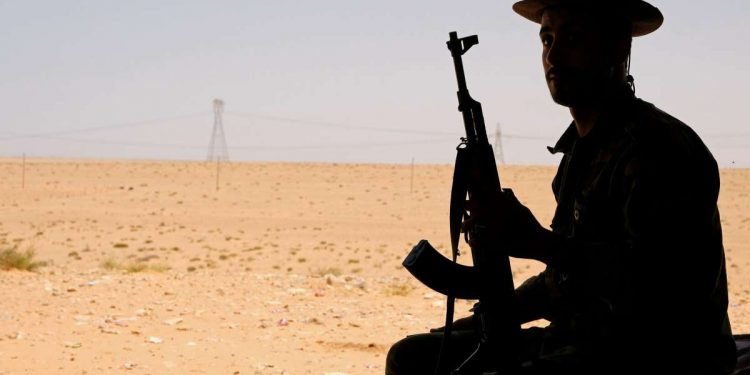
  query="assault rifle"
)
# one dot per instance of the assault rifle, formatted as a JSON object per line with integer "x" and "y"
{"x": 490, "y": 279}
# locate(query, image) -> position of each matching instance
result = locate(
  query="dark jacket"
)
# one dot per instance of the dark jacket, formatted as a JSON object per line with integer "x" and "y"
{"x": 640, "y": 283}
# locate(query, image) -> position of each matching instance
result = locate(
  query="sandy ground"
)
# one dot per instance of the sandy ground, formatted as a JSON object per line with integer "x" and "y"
{"x": 284, "y": 269}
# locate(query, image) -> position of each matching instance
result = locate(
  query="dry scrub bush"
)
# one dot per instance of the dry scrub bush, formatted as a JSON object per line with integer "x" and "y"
{"x": 13, "y": 259}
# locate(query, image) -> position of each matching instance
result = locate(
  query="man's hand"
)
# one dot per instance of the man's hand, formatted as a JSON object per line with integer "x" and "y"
{"x": 463, "y": 324}
{"x": 509, "y": 224}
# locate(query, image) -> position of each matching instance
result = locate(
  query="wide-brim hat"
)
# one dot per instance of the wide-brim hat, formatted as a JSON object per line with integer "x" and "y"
{"x": 645, "y": 17}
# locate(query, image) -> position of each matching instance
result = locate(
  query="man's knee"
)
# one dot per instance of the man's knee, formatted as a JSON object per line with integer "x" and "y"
{"x": 413, "y": 355}
{"x": 419, "y": 354}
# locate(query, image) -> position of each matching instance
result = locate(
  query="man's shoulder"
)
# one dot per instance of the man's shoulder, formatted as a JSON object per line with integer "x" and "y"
{"x": 656, "y": 131}
{"x": 650, "y": 122}
{"x": 663, "y": 146}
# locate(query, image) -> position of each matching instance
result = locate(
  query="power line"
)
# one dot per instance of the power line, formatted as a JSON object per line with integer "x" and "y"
{"x": 336, "y": 125}
{"x": 251, "y": 147}
{"x": 726, "y": 135}
{"x": 340, "y": 145}
{"x": 13, "y": 135}
{"x": 121, "y": 143}
{"x": 266, "y": 146}
{"x": 436, "y": 136}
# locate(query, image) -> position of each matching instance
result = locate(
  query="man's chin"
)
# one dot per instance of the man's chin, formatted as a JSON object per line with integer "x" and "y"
{"x": 570, "y": 98}
{"x": 559, "y": 94}
{"x": 563, "y": 100}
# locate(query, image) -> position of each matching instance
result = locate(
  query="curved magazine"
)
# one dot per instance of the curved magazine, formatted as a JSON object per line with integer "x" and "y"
{"x": 440, "y": 273}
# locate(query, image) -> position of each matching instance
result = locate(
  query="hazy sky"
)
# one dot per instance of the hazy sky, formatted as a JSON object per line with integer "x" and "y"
{"x": 330, "y": 80}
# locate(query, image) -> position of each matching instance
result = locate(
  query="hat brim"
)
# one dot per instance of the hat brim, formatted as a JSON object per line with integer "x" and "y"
{"x": 645, "y": 17}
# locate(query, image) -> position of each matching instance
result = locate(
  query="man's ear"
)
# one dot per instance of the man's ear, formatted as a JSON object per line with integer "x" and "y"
{"x": 621, "y": 50}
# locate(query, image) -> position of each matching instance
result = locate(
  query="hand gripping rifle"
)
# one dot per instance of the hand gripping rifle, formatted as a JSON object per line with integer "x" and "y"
{"x": 490, "y": 279}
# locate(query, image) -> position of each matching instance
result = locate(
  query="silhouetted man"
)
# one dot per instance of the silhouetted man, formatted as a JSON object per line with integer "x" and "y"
{"x": 635, "y": 280}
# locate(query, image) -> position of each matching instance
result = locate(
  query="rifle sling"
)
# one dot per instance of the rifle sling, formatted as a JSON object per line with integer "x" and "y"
{"x": 459, "y": 189}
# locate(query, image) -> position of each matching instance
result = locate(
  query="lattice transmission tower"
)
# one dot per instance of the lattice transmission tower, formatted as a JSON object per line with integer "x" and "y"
{"x": 217, "y": 149}
{"x": 499, "y": 145}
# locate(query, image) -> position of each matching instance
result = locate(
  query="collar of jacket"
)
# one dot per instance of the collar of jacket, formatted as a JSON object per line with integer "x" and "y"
{"x": 614, "y": 113}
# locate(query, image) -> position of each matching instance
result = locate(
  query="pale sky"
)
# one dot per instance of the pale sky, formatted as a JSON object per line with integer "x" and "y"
{"x": 330, "y": 80}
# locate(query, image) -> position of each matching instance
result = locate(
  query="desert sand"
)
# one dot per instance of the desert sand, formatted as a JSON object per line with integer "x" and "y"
{"x": 163, "y": 268}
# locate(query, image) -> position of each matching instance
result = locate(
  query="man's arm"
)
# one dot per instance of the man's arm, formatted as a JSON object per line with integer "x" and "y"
{"x": 668, "y": 254}
{"x": 669, "y": 262}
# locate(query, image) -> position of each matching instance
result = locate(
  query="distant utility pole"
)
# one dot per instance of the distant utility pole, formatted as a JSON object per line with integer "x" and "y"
{"x": 411, "y": 178}
{"x": 23, "y": 172}
{"x": 499, "y": 145}
{"x": 217, "y": 149}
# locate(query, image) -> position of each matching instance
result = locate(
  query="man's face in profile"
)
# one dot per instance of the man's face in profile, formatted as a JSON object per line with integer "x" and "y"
{"x": 578, "y": 64}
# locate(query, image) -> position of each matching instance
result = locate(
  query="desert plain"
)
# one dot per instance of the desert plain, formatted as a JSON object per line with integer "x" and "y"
{"x": 244, "y": 268}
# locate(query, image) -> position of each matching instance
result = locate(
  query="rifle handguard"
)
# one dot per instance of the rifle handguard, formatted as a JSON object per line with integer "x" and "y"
{"x": 440, "y": 273}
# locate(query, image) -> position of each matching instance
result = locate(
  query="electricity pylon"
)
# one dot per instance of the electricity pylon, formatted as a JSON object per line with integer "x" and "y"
{"x": 499, "y": 145}
{"x": 217, "y": 149}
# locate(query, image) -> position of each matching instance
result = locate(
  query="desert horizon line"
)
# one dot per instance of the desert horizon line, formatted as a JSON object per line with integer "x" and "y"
{"x": 4, "y": 159}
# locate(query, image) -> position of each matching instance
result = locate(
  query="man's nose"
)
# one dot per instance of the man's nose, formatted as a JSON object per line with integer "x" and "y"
{"x": 552, "y": 55}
